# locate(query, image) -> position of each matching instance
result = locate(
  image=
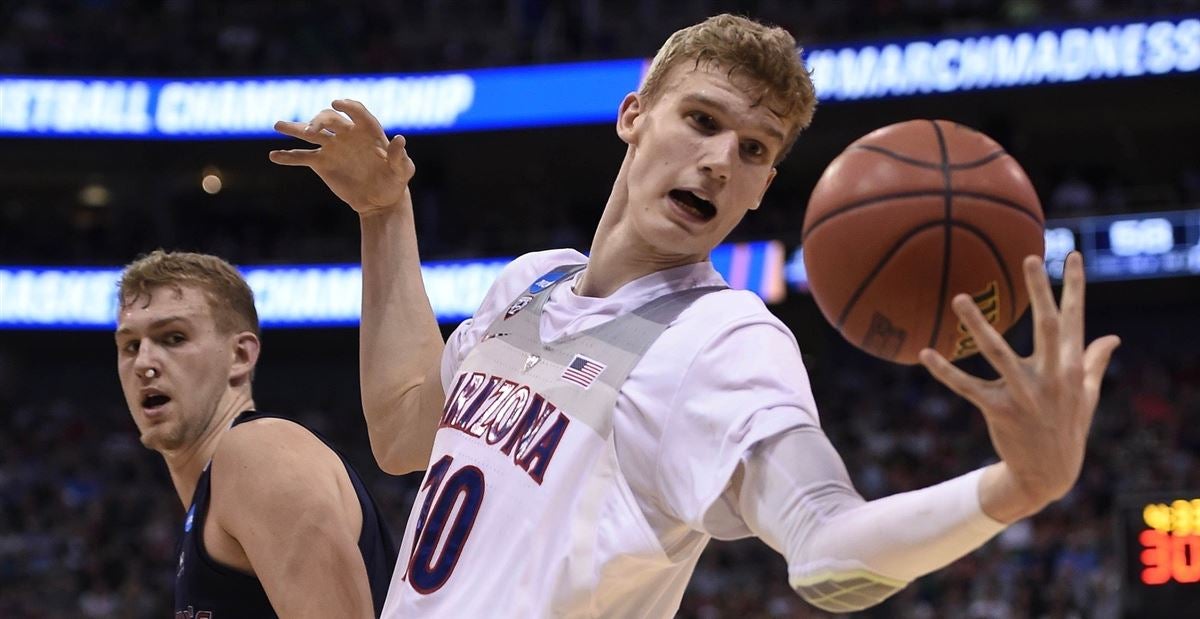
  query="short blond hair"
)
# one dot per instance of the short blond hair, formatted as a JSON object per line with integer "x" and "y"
{"x": 229, "y": 296}
{"x": 767, "y": 55}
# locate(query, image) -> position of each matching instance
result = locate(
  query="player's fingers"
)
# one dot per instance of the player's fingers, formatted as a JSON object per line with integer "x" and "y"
{"x": 359, "y": 114}
{"x": 297, "y": 130}
{"x": 1095, "y": 361}
{"x": 296, "y": 157}
{"x": 1072, "y": 302}
{"x": 396, "y": 148}
{"x": 330, "y": 121}
{"x": 970, "y": 387}
{"x": 1046, "y": 318}
{"x": 398, "y": 157}
{"x": 991, "y": 345}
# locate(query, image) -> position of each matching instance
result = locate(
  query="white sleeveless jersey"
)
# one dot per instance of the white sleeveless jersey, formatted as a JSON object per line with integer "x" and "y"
{"x": 526, "y": 509}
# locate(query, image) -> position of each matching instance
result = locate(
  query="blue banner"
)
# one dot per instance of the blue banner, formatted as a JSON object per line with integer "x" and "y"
{"x": 318, "y": 295}
{"x": 578, "y": 93}
{"x": 567, "y": 94}
{"x": 1028, "y": 58}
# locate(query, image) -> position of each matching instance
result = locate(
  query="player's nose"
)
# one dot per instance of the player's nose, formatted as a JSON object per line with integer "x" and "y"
{"x": 718, "y": 154}
{"x": 146, "y": 360}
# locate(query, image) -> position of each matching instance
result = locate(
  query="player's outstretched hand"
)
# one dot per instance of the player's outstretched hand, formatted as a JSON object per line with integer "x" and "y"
{"x": 353, "y": 156}
{"x": 1039, "y": 411}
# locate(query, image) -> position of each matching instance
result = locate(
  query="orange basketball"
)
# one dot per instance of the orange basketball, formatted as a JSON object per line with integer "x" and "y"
{"x": 907, "y": 217}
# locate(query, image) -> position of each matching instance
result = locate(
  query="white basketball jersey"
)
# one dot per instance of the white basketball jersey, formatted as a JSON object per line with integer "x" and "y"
{"x": 524, "y": 507}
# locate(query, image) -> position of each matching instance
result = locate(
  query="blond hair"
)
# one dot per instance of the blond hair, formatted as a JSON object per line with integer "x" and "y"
{"x": 767, "y": 55}
{"x": 229, "y": 295}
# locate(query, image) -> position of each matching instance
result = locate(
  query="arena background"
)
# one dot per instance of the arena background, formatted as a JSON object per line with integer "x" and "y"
{"x": 88, "y": 518}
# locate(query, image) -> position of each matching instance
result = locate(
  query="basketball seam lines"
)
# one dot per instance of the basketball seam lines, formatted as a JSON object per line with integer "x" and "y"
{"x": 948, "y": 222}
{"x": 887, "y": 257}
{"x": 1012, "y": 301}
{"x": 874, "y": 200}
{"x": 966, "y": 165}
{"x": 879, "y": 267}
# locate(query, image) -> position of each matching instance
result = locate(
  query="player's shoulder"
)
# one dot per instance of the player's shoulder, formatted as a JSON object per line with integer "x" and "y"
{"x": 524, "y": 270}
{"x": 271, "y": 447}
{"x": 266, "y": 470}
{"x": 265, "y": 431}
{"x": 729, "y": 324}
{"x": 726, "y": 311}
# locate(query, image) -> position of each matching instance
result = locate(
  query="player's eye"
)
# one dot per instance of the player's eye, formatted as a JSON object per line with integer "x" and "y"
{"x": 754, "y": 149}
{"x": 174, "y": 338}
{"x": 704, "y": 121}
{"x": 130, "y": 347}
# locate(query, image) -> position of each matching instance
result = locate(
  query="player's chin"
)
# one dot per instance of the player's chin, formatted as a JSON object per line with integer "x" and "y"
{"x": 685, "y": 244}
{"x": 162, "y": 437}
{"x": 671, "y": 235}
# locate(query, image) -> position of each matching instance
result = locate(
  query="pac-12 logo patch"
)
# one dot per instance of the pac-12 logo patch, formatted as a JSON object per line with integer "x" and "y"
{"x": 517, "y": 306}
{"x": 546, "y": 281}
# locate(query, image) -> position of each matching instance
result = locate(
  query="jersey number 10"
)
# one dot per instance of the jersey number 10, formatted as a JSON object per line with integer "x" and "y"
{"x": 427, "y": 573}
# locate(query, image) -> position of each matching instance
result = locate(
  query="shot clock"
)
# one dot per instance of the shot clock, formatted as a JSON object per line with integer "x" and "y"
{"x": 1159, "y": 535}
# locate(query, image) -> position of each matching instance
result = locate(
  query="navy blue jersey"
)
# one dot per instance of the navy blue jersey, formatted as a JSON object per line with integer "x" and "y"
{"x": 206, "y": 589}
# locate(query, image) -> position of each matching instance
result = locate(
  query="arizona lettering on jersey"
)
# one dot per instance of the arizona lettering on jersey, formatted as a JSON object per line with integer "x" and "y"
{"x": 508, "y": 416}
{"x": 523, "y": 506}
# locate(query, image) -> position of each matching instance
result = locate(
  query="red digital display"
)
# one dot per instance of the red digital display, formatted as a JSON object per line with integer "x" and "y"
{"x": 1159, "y": 535}
{"x": 1168, "y": 557}
{"x": 1171, "y": 544}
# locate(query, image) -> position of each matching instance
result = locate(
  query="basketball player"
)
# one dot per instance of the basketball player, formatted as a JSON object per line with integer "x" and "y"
{"x": 278, "y": 523}
{"x": 601, "y": 417}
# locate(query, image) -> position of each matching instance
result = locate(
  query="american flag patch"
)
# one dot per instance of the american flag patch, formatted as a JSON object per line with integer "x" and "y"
{"x": 582, "y": 371}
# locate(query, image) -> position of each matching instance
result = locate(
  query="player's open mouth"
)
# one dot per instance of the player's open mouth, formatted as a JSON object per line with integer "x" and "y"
{"x": 692, "y": 204}
{"x": 152, "y": 402}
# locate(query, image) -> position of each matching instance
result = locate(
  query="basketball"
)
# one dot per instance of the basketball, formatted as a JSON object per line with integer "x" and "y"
{"x": 907, "y": 217}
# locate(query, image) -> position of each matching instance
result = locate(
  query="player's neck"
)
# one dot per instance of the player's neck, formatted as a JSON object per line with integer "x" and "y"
{"x": 619, "y": 254}
{"x": 618, "y": 258}
{"x": 187, "y": 463}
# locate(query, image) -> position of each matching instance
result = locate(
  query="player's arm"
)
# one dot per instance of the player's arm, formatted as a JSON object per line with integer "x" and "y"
{"x": 844, "y": 553}
{"x": 400, "y": 345}
{"x": 287, "y": 502}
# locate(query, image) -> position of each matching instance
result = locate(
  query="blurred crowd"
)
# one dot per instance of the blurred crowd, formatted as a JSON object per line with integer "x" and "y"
{"x": 462, "y": 217}
{"x": 88, "y": 517}
{"x": 226, "y": 37}
{"x": 72, "y": 202}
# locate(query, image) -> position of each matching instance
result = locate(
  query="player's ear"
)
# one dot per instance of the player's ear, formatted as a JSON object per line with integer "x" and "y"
{"x": 627, "y": 117}
{"x": 245, "y": 356}
{"x": 766, "y": 186}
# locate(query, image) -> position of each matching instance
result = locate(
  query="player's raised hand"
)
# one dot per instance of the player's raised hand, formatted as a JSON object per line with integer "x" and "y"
{"x": 353, "y": 156}
{"x": 1040, "y": 410}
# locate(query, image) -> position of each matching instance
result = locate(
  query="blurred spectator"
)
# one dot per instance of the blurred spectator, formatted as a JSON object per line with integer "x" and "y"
{"x": 1072, "y": 197}
{"x": 94, "y": 536}
{"x": 187, "y": 37}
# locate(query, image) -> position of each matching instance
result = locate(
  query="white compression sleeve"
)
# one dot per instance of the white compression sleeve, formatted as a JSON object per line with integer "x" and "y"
{"x": 845, "y": 553}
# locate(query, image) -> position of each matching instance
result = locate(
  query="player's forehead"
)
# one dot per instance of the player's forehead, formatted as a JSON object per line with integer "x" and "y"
{"x": 709, "y": 84}
{"x": 182, "y": 303}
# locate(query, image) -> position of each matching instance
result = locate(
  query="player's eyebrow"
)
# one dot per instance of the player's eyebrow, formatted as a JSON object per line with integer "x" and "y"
{"x": 696, "y": 98}
{"x": 154, "y": 325}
